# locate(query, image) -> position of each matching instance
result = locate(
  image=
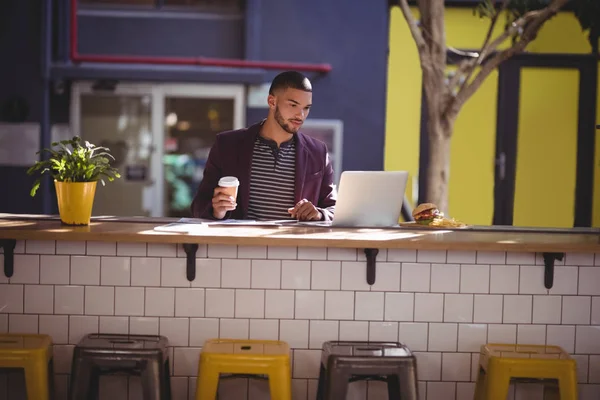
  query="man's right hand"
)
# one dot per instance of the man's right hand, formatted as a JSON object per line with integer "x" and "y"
{"x": 222, "y": 203}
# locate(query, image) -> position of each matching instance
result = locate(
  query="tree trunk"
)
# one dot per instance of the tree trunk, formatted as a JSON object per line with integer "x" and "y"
{"x": 438, "y": 170}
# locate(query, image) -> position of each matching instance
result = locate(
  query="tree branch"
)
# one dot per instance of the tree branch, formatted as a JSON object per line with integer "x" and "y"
{"x": 532, "y": 23}
{"x": 484, "y": 50}
{"x": 463, "y": 67}
{"x": 482, "y": 54}
{"x": 515, "y": 27}
{"x": 413, "y": 26}
{"x": 433, "y": 26}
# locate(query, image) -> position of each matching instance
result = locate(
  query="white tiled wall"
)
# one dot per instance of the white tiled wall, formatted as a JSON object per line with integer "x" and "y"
{"x": 443, "y": 305}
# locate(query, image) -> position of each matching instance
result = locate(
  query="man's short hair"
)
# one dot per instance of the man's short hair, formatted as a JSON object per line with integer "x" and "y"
{"x": 290, "y": 79}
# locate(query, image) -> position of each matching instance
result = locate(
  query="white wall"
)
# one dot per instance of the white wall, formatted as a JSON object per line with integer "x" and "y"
{"x": 443, "y": 305}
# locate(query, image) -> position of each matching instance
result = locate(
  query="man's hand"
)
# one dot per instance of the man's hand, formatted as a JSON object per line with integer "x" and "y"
{"x": 222, "y": 202}
{"x": 305, "y": 211}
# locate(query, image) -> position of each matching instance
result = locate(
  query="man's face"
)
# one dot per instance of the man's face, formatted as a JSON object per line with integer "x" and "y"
{"x": 291, "y": 107}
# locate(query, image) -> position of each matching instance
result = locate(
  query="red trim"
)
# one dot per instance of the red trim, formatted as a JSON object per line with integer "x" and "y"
{"x": 204, "y": 61}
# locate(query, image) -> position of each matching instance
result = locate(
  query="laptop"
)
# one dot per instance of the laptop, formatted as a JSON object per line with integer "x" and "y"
{"x": 369, "y": 199}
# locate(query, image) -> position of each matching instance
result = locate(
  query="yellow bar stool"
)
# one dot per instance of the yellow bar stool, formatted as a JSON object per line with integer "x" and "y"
{"x": 33, "y": 353}
{"x": 499, "y": 363}
{"x": 244, "y": 357}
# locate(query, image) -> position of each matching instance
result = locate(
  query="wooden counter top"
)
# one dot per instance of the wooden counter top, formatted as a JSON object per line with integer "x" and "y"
{"x": 486, "y": 238}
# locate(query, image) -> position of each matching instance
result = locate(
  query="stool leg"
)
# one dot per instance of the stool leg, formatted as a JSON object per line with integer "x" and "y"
{"x": 94, "y": 388}
{"x": 166, "y": 377}
{"x": 496, "y": 387}
{"x": 480, "y": 385}
{"x": 567, "y": 385}
{"x": 151, "y": 380}
{"x": 322, "y": 382}
{"x": 81, "y": 378}
{"x": 337, "y": 385}
{"x": 51, "y": 385}
{"x": 207, "y": 385}
{"x": 393, "y": 387}
{"x": 280, "y": 383}
{"x": 408, "y": 382}
{"x": 36, "y": 380}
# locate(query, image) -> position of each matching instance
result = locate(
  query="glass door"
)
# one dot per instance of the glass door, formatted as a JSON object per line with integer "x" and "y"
{"x": 160, "y": 136}
{"x": 545, "y": 152}
{"x": 192, "y": 115}
{"x": 120, "y": 119}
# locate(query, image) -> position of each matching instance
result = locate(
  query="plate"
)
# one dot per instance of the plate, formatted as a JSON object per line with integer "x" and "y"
{"x": 414, "y": 225}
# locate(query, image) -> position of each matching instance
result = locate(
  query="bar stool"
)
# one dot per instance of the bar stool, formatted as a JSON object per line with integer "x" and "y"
{"x": 143, "y": 355}
{"x": 33, "y": 353}
{"x": 499, "y": 363}
{"x": 343, "y": 362}
{"x": 245, "y": 357}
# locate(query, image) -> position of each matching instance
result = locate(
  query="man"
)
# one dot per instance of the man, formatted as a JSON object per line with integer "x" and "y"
{"x": 283, "y": 173}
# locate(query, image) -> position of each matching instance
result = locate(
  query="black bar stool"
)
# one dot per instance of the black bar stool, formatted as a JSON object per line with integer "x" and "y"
{"x": 143, "y": 355}
{"x": 343, "y": 362}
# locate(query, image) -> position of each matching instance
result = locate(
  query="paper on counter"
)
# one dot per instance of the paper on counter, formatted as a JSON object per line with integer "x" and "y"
{"x": 187, "y": 225}
{"x": 250, "y": 222}
{"x": 180, "y": 227}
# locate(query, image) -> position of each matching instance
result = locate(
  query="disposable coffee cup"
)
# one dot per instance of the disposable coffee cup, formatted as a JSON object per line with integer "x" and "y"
{"x": 230, "y": 184}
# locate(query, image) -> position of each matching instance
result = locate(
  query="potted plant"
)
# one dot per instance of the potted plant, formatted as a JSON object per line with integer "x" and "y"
{"x": 75, "y": 170}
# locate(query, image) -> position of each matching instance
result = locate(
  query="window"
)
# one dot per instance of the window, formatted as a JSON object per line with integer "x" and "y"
{"x": 120, "y": 2}
{"x": 160, "y": 135}
{"x": 201, "y": 5}
{"x": 330, "y": 132}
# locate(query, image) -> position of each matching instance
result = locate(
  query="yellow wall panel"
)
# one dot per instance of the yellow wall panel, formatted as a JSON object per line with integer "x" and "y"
{"x": 473, "y": 148}
{"x": 404, "y": 117}
{"x": 403, "y": 108}
{"x": 473, "y": 143}
{"x": 561, "y": 34}
{"x": 546, "y": 148}
{"x": 467, "y": 31}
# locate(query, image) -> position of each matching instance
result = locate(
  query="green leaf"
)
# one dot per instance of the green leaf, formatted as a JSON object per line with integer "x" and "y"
{"x": 69, "y": 161}
{"x": 587, "y": 12}
{"x": 35, "y": 187}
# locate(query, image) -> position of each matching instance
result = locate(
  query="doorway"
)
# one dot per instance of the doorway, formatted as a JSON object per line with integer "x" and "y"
{"x": 160, "y": 136}
{"x": 545, "y": 149}
{"x": 542, "y": 155}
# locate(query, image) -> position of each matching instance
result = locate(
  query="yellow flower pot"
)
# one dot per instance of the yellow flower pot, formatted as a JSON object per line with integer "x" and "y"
{"x": 75, "y": 201}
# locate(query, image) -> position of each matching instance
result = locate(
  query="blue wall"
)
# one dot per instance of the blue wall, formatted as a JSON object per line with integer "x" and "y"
{"x": 19, "y": 76}
{"x": 217, "y": 37}
{"x": 353, "y": 39}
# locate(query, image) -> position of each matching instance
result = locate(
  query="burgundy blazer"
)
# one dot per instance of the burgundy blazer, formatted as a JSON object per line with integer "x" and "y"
{"x": 231, "y": 155}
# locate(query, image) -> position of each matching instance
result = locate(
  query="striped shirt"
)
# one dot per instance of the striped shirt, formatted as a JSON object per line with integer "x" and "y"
{"x": 272, "y": 179}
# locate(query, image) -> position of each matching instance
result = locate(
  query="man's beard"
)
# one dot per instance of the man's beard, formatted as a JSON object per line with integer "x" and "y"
{"x": 288, "y": 127}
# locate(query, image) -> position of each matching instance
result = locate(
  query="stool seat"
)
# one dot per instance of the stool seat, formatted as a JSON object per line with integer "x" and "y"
{"x": 143, "y": 355}
{"x": 499, "y": 363}
{"x": 363, "y": 349}
{"x": 245, "y": 348}
{"x": 34, "y": 354}
{"x": 108, "y": 344}
{"x": 346, "y": 361}
{"x": 13, "y": 344}
{"x": 525, "y": 351}
{"x": 244, "y": 357}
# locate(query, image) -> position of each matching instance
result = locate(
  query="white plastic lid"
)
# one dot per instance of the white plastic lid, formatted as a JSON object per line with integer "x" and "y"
{"x": 229, "y": 181}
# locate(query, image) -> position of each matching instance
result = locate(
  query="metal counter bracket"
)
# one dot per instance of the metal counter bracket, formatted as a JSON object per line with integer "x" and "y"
{"x": 549, "y": 259}
{"x": 190, "y": 264}
{"x": 371, "y": 255}
{"x": 9, "y": 256}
